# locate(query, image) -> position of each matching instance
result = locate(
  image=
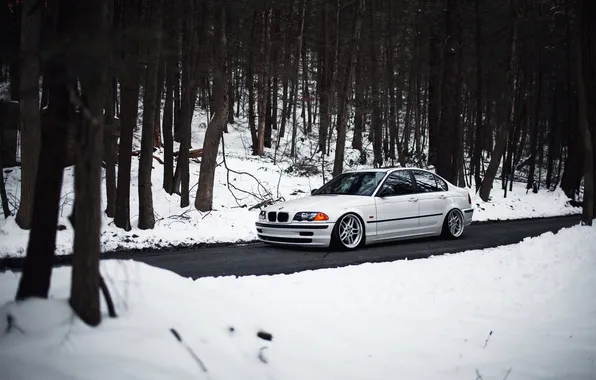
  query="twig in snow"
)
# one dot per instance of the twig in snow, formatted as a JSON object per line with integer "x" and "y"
{"x": 192, "y": 353}
{"x": 489, "y": 335}
{"x": 507, "y": 374}
{"x": 11, "y": 323}
{"x": 478, "y": 375}
{"x": 261, "y": 356}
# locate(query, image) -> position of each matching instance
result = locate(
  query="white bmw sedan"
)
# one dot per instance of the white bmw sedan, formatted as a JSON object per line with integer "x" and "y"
{"x": 369, "y": 206}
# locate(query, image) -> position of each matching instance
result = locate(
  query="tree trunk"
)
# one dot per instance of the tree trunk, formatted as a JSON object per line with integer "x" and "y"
{"x": 110, "y": 141}
{"x": 359, "y": 105}
{"x": 477, "y": 155}
{"x": 342, "y": 120}
{"x": 186, "y": 106}
{"x": 587, "y": 96}
{"x": 434, "y": 87}
{"x": 29, "y": 104}
{"x": 377, "y": 117}
{"x": 251, "y": 91}
{"x": 150, "y": 102}
{"x": 491, "y": 171}
{"x": 326, "y": 78}
{"x": 161, "y": 72}
{"x": 262, "y": 97}
{"x": 129, "y": 89}
{"x": 295, "y": 79}
{"x": 204, "y": 197}
{"x": 84, "y": 289}
{"x": 37, "y": 267}
{"x": 3, "y": 195}
{"x": 450, "y": 122}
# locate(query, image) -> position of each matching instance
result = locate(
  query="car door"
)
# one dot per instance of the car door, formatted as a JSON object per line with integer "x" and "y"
{"x": 397, "y": 207}
{"x": 432, "y": 200}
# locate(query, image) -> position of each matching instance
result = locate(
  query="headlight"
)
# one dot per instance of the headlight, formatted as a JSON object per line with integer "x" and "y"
{"x": 310, "y": 216}
{"x": 262, "y": 215}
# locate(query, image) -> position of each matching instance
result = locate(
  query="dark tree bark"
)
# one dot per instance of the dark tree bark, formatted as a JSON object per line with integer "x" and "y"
{"x": 342, "y": 119}
{"x": 161, "y": 73}
{"x": 171, "y": 57}
{"x": 449, "y": 122}
{"x": 326, "y": 77}
{"x": 377, "y": 116}
{"x": 262, "y": 97}
{"x": 29, "y": 102}
{"x": 84, "y": 291}
{"x": 434, "y": 86}
{"x": 204, "y": 197}
{"x": 251, "y": 91}
{"x": 146, "y": 214}
{"x": 110, "y": 141}
{"x": 3, "y": 195}
{"x": 491, "y": 171}
{"x": 186, "y": 106}
{"x": 359, "y": 105}
{"x": 476, "y": 159}
{"x": 295, "y": 79}
{"x": 129, "y": 87}
{"x": 37, "y": 267}
{"x": 587, "y": 95}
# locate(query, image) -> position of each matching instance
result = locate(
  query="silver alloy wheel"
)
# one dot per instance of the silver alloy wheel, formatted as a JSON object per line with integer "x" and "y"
{"x": 350, "y": 231}
{"x": 455, "y": 223}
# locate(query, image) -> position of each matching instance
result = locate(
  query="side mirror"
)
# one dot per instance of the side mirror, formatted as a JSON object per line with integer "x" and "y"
{"x": 313, "y": 191}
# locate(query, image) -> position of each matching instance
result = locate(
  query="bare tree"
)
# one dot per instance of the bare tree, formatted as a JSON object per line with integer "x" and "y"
{"x": 150, "y": 101}
{"x": 491, "y": 171}
{"x": 84, "y": 290}
{"x": 204, "y": 197}
{"x": 342, "y": 119}
{"x": 29, "y": 101}
{"x": 587, "y": 95}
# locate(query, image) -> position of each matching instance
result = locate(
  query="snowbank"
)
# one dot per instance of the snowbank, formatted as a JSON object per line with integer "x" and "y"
{"x": 523, "y": 311}
{"x": 253, "y": 179}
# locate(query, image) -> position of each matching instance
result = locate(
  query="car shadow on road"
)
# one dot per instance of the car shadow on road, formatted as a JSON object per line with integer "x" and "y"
{"x": 374, "y": 246}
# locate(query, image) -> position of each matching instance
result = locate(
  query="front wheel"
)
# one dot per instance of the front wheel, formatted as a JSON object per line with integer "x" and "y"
{"x": 348, "y": 232}
{"x": 453, "y": 226}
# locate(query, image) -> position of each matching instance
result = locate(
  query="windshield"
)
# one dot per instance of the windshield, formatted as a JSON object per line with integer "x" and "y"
{"x": 360, "y": 183}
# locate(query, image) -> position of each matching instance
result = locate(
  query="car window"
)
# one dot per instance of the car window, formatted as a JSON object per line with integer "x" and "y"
{"x": 358, "y": 183}
{"x": 398, "y": 183}
{"x": 441, "y": 184}
{"x": 425, "y": 181}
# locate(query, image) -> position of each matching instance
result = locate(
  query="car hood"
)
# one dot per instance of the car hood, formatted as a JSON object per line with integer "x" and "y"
{"x": 323, "y": 203}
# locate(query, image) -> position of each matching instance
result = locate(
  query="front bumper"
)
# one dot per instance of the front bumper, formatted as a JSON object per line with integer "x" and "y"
{"x": 468, "y": 215}
{"x": 295, "y": 233}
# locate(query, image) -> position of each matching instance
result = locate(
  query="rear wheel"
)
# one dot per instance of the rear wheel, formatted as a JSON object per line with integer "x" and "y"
{"x": 453, "y": 226}
{"x": 348, "y": 232}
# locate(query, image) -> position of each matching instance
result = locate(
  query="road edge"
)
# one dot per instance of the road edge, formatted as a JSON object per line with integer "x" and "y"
{"x": 8, "y": 263}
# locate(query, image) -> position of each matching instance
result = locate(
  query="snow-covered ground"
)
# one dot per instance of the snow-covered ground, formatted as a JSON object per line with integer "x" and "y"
{"x": 231, "y": 221}
{"x": 524, "y": 311}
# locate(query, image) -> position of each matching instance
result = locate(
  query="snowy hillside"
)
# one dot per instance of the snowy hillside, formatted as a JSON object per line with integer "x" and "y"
{"x": 249, "y": 181}
{"x": 523, "y": 311}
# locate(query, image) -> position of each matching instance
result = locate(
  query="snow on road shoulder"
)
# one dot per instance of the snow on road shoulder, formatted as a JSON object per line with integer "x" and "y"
{"x": 521, "y": 204}
{"x": 523, "y": 311}
{"x": 252, "y": 180}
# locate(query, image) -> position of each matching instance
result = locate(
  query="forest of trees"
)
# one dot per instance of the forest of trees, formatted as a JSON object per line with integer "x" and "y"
{"x": 511, "y": 83}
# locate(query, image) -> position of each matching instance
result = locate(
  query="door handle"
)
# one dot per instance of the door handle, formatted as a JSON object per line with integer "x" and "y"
{"x": 413, "y": 199}
{"x": 442, "y": 197}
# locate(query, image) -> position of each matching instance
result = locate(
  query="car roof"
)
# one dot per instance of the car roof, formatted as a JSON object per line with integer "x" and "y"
{"x": 384, "y": 170}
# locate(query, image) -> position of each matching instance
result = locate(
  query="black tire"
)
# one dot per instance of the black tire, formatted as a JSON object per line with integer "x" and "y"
{"x": 453, "y": 231}
{"x": 337, "y": 243}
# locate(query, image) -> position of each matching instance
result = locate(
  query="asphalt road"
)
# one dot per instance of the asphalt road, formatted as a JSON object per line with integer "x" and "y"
{"x": 261, "y": 259}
